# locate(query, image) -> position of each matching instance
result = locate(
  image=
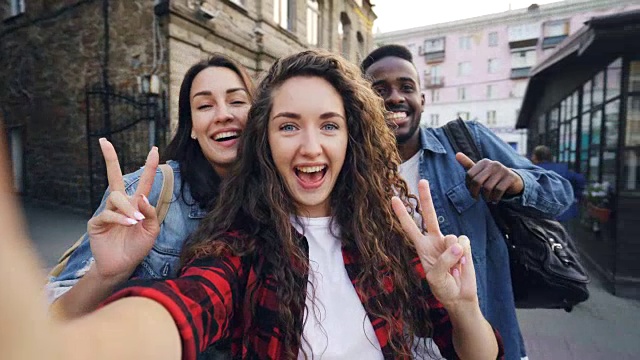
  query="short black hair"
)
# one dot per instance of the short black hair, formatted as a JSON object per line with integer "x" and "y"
{"x": 384, "y": 51}
{"x": 543, "y": 153}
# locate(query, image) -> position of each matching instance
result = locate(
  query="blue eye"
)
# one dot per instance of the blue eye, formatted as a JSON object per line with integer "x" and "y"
{"x": 330, "y": 127}
{"x": 287, "y": 127}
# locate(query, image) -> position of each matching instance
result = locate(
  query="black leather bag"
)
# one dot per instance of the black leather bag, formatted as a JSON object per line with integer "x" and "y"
{"x": 545, "y": 269}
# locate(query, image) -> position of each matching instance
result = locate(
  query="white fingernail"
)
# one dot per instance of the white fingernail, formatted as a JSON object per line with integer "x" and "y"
{"x": 138, "y": 215}
{"x": 131, "y": 221}
{"x": 145, "y": 199}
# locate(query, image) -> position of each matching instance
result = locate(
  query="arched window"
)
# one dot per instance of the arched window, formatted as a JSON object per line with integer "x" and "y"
{"x": 344, "y": 32}
{"x": 361, "y": 47}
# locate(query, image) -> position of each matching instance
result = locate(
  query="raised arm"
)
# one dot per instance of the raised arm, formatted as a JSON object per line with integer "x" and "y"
{"x": 120, "y": 236}
{"x": 448, "y": 266}
{"x": 25, "y": 329}
{"x": 156, "y": 320}
{"x": 172, "y": 319}
{"x": 503, "y": 172}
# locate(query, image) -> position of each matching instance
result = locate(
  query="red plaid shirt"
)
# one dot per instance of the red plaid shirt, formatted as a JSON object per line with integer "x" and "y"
{"x": 207, "y": 303}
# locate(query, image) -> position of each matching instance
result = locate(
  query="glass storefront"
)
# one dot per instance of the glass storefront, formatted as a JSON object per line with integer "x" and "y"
{"x": 582, "y": 129}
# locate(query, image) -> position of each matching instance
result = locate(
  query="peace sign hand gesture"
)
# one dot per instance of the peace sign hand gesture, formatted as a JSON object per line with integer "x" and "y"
{"x": 446, "y": 260}
{"x": 124, "y": 233}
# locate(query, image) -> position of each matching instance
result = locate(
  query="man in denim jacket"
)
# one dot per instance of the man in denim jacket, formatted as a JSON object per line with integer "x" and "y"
{"x": 457, "y": 182}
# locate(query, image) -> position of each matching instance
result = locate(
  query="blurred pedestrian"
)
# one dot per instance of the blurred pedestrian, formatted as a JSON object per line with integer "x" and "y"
{"x": 543, "y": 157}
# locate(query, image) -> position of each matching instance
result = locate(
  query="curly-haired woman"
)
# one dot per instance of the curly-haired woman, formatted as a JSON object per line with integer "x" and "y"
{"x": 303, "y": 256}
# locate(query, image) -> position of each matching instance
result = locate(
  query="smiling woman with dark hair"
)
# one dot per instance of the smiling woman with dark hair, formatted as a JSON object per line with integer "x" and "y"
{"x": 214, "y": 101}
{"x": 310, "y": 251}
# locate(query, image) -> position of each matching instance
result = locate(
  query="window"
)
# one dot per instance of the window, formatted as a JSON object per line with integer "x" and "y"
{"x": 490, "y": 91}
{"x": 523, "y": 59}
{"x": 361, "y": 48}
{"x": 523, "y": 32}
{"x": 556, "y": 28}
{"x": 312, "y": 22}
{"x": 631, "y": 154}
{"x": 344, "y": 35}
{"x": 491, "y": 117}
{"x": 632, "y": 137}
{"x": 435, "y": 71}
{"x": 435, "y": 120}
{"x": 435, "y": 96}
{"x": 17, "y": 7}
{"x": 282, "y": 13}
{"x": 493, "y": 66}
{"x": 464, "y": 68}
{"x": 434, "y": 45}
{"x": 493, "y": 39}
{"x": 433, "y": 76}
{"x": 614, "y": 75}
{"x": 598, "y": 89}
{"x": 465, "y": 42}
{"x": 634, "y": 76}
{"x": 462, "y": 93}
{"x": 464, "y": 115}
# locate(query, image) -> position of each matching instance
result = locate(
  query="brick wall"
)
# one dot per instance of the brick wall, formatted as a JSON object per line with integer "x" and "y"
{"x": 47, "y": 56}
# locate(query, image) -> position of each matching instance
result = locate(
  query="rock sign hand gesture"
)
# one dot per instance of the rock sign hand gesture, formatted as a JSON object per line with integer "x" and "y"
{"x": 446, "y": 260}
{"x": 124, "y": 233}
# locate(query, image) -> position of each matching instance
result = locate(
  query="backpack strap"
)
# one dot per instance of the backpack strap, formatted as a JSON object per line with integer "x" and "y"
{"x": 166, "y": 192}
{"x": 461, "y": 139}
{"x": 162, "y": 207}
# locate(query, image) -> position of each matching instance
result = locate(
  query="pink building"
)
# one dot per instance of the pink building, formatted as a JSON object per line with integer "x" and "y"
{"x": 478, "y": 68}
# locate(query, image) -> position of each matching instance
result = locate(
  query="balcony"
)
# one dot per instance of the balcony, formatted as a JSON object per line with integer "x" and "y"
{"x": 520, "y": 73}
{"x": 523, "y": 35}
{"x": 552, "y": 41}
{"x": 433, "y": 57}
{"x": 433, "y": 82}
{"x": 434, "y": 50}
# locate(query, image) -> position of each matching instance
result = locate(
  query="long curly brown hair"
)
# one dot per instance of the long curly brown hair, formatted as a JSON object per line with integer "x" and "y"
{"x": 254, "y": 199}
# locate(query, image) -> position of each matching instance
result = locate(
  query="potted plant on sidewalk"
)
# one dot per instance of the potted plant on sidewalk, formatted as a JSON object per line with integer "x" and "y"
{"x": 598, "y": 201}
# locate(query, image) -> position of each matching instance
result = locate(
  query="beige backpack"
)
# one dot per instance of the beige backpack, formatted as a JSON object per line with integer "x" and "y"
{"x": 166, "y": 192}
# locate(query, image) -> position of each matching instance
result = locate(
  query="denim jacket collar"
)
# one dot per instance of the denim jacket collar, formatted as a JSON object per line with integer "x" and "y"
{"x": 430, "y": 142}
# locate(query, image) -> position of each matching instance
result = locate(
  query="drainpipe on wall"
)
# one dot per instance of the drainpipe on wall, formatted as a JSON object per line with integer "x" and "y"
{"x": 258, "y": 33}
{"x": 105, "y": 70}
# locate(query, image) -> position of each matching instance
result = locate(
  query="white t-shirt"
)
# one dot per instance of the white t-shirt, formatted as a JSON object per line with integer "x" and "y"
{"x": 410, "y": 172}
{"x": 336, "y": 324}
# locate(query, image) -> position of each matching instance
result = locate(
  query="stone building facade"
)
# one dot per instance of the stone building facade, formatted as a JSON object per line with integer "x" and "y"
{"x": 58, "y": 56}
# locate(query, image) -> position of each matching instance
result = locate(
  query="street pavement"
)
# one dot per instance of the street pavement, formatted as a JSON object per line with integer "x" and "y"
{"x": 604, "y": 327}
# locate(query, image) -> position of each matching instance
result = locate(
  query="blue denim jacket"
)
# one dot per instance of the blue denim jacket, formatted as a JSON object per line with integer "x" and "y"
{"x": 163, "y": 261}
{"x": 545, "y": 193}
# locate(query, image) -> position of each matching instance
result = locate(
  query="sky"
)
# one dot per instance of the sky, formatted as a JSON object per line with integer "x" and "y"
{"x": 404, "y": 14}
